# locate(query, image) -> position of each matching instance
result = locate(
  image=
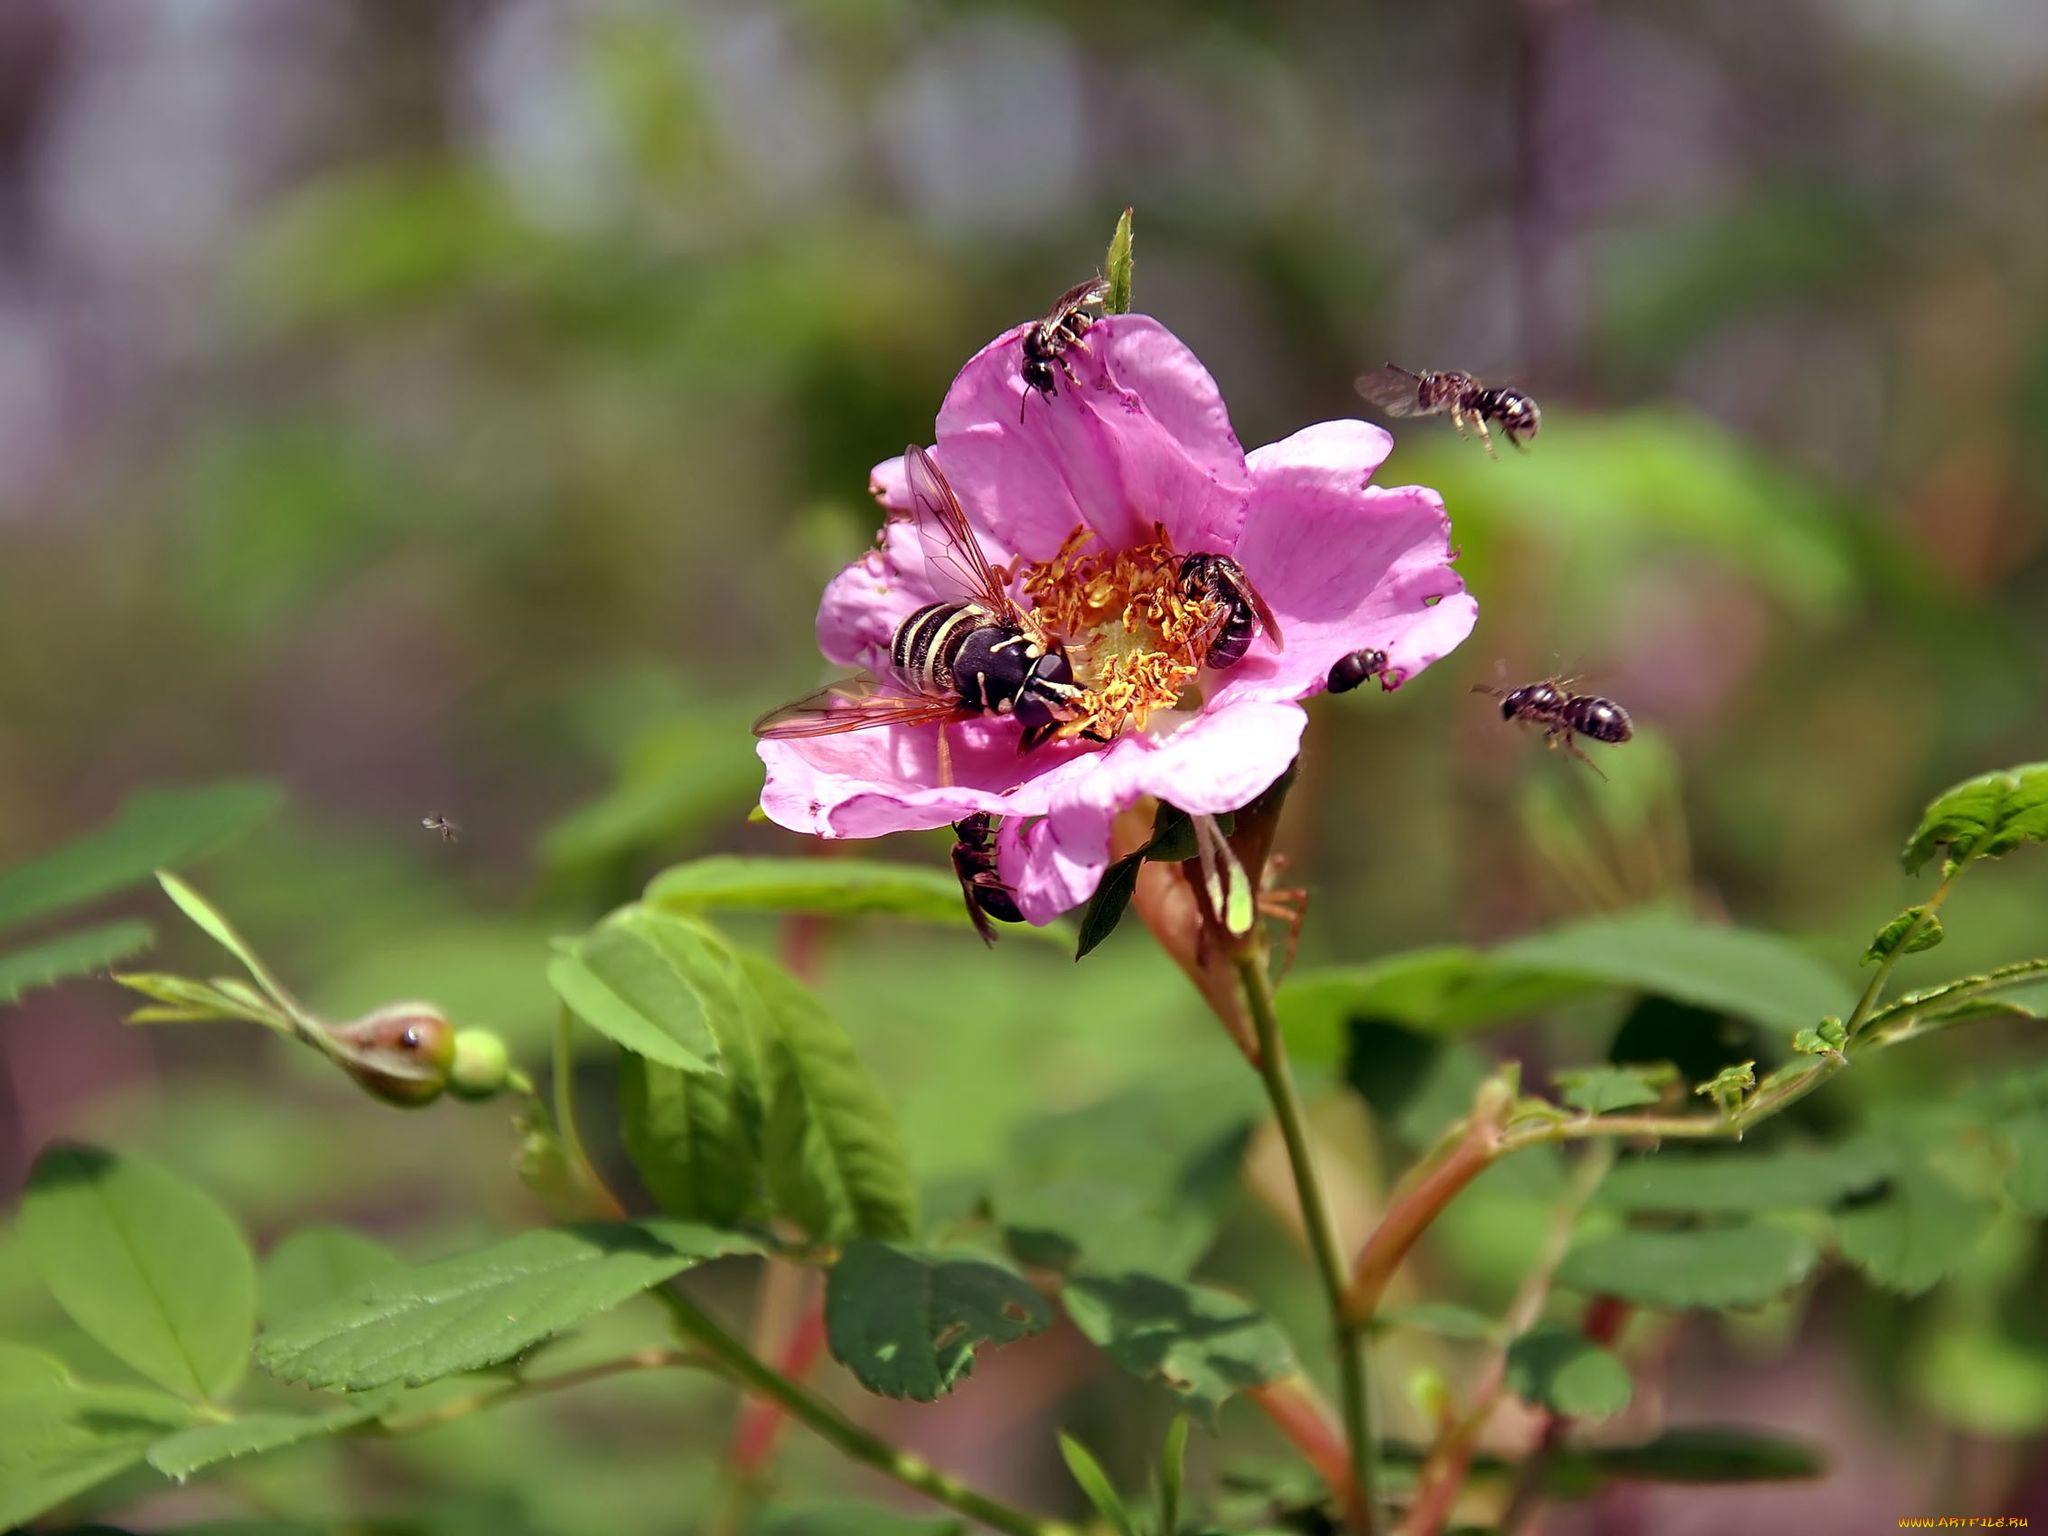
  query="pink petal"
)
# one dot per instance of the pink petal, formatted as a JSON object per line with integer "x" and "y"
{"x": 889, "y": 485}
{"x": 1217, "y": 761}
{"x": 864, "y": 603}
{"x": 1343, "y": 564}
{"x": 1144, "y": 440}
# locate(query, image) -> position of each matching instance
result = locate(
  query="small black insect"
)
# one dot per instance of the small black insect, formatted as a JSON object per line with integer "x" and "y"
{"x": 974, "y": 861}
{"x": 449, "y": 830}
{"x": 1244, "y": 614}
{"x": 1401, "y": 392}
{"x": 1563, "y": 714}
{"x": 1046, "y": 343}
{"x": 1352, "y": 671}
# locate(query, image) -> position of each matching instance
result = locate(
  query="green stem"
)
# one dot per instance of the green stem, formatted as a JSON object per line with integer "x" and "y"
{"x": 1867, "y": 1003}
{"x": 520, "y": 1391}
{"x": 848, "y": 1438}
{"x": 564, "y": 1064}
{"x": 1322, "y": 1234}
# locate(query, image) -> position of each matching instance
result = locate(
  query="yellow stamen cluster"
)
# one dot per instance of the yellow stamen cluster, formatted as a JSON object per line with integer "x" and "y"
{"x": 1135, "y": 641}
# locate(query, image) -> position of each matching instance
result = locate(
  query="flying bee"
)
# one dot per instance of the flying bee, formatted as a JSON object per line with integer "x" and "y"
{"x": 1351, "y": 671}
{"x": 961, "y": 658}
{"x": 1046, "y": 342}
{"x": 1400, "y": 392}
{"x": 1244, "y": 615}
{"x": 974, "y": 861}
{"x": 449, "y": 830}
{"x": 1563, "y": 714}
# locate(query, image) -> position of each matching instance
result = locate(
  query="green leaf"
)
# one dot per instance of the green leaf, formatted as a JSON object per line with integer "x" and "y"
{"x": 68, "y": 955}
{"x": 153, "y": 828}
{"x": 695, "y": 1138}
{"x": 1172, "y": 1474}
{"x": 319, "y": 1264}
{"x": 650, "y": 982}
{"x": 1415, "y": 1086}
{"x": 184, "y": 1001}
{"x": 681, "y": 775}
{"x": 1730, "y": 970}
{"x": 1112, "y": 898}
{"x": 56, "y": 1442}
{"x": 1554, "y": 1366}
{"x": 210, "y": 922}
{"x": 461, "y": 1314}
{"x": 1892, "y": 935}
{"x": 1741, "y": 1266}
{"x": 836, "y": 1160}
{"x": 179, "y": 1456}
{"x": 1095, "y": 1483}
{"x": 22, "y": 1368}
{"x": 827, "y": 887}
{"x": 1446, "y": 990}
{"x": 1203, "y": 1344}
{"x": 1738, "y": 1183}
{"x": 1919, "y": 1229}
{"x": 2027, "y": 1136}
{"x": 1117, "y": 267}
{"x": 907, "y": 1324}
{"x": 1984, "y": 817}
{"x": 1703, "y": 1454}
{"x": 1601, "y": 1090}
{"x": 151, "y": 1267}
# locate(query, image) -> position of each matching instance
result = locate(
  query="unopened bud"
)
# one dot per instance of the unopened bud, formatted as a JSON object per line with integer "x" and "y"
{"x": 481, "y": 1065}
{"x": 400, "y": 1053}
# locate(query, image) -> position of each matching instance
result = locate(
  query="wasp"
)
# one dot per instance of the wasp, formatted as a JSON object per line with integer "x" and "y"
{"x": 974, "y": 861}
{"x": 1046, "y": 342}
{"x": 1351, "y": 671}
{"x": 968, "y": 656}
{"x": 449, "y": 830}
{"x": 1401, "y": 392}
{"x": 1244, "y": 615}
{"x": 1563, "y": 714}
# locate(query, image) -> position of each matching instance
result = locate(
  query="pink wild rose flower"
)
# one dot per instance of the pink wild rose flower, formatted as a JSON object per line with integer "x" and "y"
{"x": 1088, "y": 503}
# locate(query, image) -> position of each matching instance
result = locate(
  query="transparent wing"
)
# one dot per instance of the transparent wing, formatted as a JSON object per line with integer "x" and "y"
{"x": 1080, "y": 296}
{"x": 951, "y": 553}
{"x": 1270, "y": 625}
{"x": 1393, "y": 389}
{"x": 857, "y": 703}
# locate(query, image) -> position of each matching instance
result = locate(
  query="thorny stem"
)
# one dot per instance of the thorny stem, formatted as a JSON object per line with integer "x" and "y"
{"x": 1443, "y": 1474}
{"x": 520, "y": 1391}
{"x": 848, "y": 1438}
{"x": 1362, "y": 1510}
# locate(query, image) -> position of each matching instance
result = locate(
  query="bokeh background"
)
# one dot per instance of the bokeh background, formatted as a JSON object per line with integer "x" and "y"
{"x": 455, "y": 408}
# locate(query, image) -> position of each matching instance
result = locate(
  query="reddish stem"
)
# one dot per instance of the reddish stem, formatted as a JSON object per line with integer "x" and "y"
{"x": 1307, "y": 1423}
{"x": 761, "y": 1419}
{"x": 1411, "y": 1214}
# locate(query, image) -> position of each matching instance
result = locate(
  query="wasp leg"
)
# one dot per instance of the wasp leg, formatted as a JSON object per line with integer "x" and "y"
{"x": 1289, "y": 906}
{"x": 1458, "y": 421}
{"x": 945, "y": 759}
{"x": 1485, "y": 437}
{"x": 1561, "y": 736}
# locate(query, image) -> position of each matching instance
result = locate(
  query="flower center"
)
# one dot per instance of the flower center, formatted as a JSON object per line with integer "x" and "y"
{"x": 1136, "y": 641}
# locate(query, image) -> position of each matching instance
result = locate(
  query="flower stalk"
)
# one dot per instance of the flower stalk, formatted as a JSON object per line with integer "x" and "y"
{"x": 1361, "y": 1512}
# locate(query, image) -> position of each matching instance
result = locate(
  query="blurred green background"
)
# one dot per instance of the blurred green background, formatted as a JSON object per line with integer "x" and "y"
{"x": 455, "y": 408}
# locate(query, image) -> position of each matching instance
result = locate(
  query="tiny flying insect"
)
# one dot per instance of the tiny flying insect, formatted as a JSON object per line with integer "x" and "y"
{"x": 1563, "y": 714}
{"x": 1352, "y": 671}
{"x": 1047, "y": 341}
{"x": 969, "y": 656}
{"x": 449, "y": 830}
{"x": 974, "y": 861}
{"x": 1243, "y": 614}
{"x": 1402, "y": 392}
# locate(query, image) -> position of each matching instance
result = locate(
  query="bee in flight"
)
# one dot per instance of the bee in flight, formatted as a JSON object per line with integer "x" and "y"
{"x": 449, "y": 830}
{"x": 1046, "y": 342}
{"x": 968, "y": 656}
{"x": 1351, "y": 671}
{"x": 1245, "y": 615}
{"x": 1563, "y": 714}
{"x": 1400, "y": 392}
{"x": 974, "y": 861}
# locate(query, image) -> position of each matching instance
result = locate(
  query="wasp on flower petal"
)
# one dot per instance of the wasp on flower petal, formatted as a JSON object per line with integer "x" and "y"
{"x": 1048, "y": 341}
{"x": 974, "y": 861}
{"x": 967, "y": 656}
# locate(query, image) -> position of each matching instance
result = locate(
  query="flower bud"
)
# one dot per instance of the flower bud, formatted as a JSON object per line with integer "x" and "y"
{"x": 400, "y": 1053}
{"x": 481, "y": 1064}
